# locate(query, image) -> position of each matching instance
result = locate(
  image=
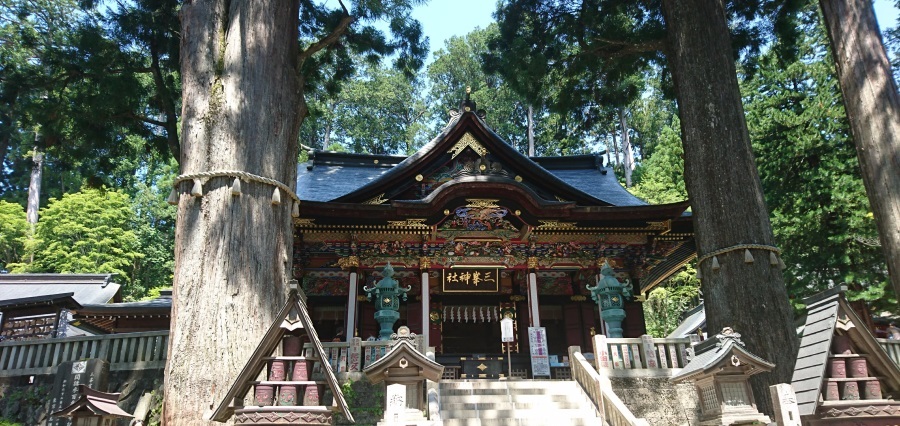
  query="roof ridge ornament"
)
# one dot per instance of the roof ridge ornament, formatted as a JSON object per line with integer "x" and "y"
{"x": 467, "y": 105}
{"x": 728, "y": 334}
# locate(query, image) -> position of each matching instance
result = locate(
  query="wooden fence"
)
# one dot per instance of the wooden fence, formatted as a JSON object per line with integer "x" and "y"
{"x": 129, "y": 351}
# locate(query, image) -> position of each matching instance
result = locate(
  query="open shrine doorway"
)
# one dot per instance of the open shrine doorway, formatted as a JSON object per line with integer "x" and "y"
{"x": 471, "y": 325}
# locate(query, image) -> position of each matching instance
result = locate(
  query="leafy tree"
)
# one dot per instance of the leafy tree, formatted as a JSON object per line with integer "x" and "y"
{"x": 246, "y": 69}
{"x": 662, "y": 175}
{"x": 13, "y": 231}
{"x": 380, "y": 112}
{"x": 460, "y": 65}
{"x": 87, "y": 232}
{"x": 666, "y": 303}
{"x": 809, "y": 170}
{"x": 60, "y": 95}
{"x": 154, "y": 227}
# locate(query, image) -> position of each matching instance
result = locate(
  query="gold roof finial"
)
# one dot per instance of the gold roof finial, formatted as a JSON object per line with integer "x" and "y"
{"x": 468, "y": 89}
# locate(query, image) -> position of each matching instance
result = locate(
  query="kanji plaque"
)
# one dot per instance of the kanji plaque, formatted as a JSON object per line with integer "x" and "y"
{"x": 471, "y": 280}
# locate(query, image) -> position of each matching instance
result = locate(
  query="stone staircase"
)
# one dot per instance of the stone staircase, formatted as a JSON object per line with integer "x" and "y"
{"x": 515, "y": 403}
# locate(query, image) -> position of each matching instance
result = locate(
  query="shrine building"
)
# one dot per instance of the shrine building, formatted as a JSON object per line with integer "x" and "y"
{"x": 477, "y": 231}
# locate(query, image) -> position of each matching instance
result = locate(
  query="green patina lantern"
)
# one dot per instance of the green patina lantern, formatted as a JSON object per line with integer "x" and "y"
{"x": 387, "y": 294}
{"x": 610, "y": 295}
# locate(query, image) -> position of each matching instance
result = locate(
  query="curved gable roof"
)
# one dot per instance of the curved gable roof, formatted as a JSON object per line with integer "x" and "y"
{"x": 356, "y": 178}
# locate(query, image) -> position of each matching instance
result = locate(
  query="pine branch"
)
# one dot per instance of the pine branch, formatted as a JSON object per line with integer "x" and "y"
{"x": 328, "y": 40}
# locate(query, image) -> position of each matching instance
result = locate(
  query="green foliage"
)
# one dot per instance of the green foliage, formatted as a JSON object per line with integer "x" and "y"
{"x": 13, "y": 233}
{"x": 469, "y": 61}
{"x": 460, "y": 64}
{"x": 380, "y": 112}
{"x": 662, "y": 175}
{"x": 154, "y": 226}
{"x": 20, "y": 405}
{"x": 810, "y": 173}
{"x": 87, "y": 232}
{"x": 83, "y": 87}
{"x": 666, "y": 303}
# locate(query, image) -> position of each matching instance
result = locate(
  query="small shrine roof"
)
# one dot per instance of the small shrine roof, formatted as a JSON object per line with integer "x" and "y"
{"x": 293, "y": 316}
{"x": 827, "y": 313}
{"x": 713, "y": 351}
{"x": 377, "y": 371}
{"x": 95, "y": 403}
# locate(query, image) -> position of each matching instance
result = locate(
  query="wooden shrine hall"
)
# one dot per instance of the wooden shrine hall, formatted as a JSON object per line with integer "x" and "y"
{"x": 477, "y": 231}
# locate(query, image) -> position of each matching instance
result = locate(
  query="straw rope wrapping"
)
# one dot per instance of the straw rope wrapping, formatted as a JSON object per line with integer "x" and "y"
{"x": 773, "y": 249}
{"x": 250, "y": 177}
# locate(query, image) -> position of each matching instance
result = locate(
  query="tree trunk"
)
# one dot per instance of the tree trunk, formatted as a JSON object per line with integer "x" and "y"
{"x": 626, "y": 148}
{"x": 725, "y": 191}
{"x": 615, "y": 144}
{"x": 34, "y": 186}
{"x": 530, "y": 131}
{"x": 242, "y": 111}
{"x": 873, "y": 107}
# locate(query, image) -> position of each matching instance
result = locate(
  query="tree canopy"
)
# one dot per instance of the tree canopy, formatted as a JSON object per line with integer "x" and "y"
{"x": 87, "y": 232}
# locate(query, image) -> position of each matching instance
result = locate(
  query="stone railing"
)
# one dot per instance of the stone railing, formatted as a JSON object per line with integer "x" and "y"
{"x": 128, "y": 351}
{"x": 650, "y": 355}
{"x": 354, "y": 356}
{"x": 892, "y": 347}
{"x": 612, "y": 410}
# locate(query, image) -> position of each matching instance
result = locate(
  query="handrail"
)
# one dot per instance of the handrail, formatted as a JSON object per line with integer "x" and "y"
{"x": 123, "y": 351}
{"x": 612, "y": 410}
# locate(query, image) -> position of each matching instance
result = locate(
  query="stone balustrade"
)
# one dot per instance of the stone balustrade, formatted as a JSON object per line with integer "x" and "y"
{"x": 598, "y": 387}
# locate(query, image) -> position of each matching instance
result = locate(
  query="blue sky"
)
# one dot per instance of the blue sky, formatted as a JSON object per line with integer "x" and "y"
{"x": 443, "y": 19}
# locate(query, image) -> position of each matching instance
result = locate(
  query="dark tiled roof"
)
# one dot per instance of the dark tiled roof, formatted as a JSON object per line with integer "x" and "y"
{"x": 673, "y": 262}
{"x": 86, "y": 288}
{"x": 327, "y": 182}
{"x": 694, "y": 319}
{"x": 63, "y": 299}
{"x": 330, "y": 175}
{"x": 338, "y": 174}
{"x": 162, "y": 305}
{"x": 600, "y": 184}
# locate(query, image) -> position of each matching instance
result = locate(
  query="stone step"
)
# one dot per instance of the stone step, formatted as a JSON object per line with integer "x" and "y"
{"x": 516, "y": 414}
{"x": 461, "y": 392}
{"x": 515, "y": 402}
{"x": 507, "y": 384}
{"x": 452, "y": 405}
{"x": 468, "y": 398}
{"x": 537, "y": 421}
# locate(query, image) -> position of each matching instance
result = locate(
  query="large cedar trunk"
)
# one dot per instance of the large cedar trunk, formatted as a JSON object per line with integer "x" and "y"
{"x": 242, "y": 111}
{"x": 725, "y": 191}
{"x": 873, "y": 107}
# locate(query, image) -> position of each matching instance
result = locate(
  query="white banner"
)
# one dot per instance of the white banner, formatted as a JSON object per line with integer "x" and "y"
{"x": 506, "y": 330}
{"x": 540, "y": 360}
